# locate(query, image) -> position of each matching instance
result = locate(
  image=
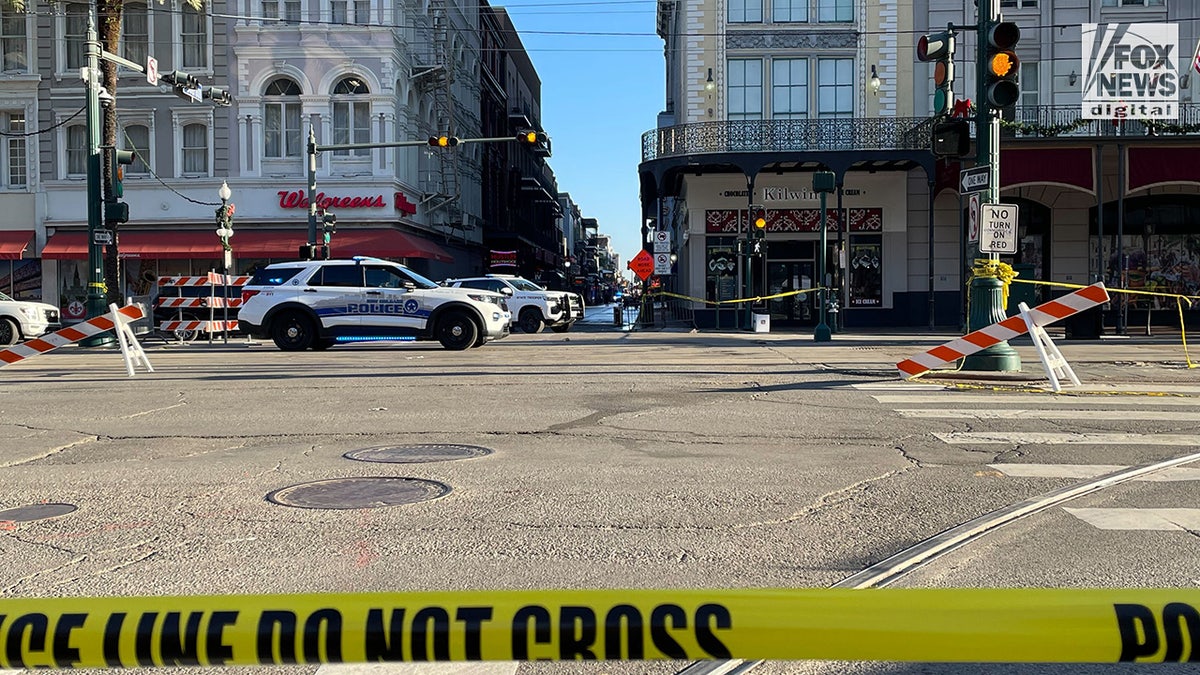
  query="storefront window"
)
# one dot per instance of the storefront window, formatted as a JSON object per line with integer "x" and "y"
{"x": 721, "y": 269}
{"x": 21, "y": 279}
{"x": 866, "y": 270}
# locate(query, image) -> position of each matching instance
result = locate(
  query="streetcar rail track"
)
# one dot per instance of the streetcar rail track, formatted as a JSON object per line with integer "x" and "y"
{"x": 894, "y": 567}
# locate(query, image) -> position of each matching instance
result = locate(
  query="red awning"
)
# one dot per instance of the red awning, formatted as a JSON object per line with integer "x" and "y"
{"x": 1154, "y": 166}
{"x": 1072, "y": 167}
{"x": 13, "y": 243}
{"x": 248, "y": 244}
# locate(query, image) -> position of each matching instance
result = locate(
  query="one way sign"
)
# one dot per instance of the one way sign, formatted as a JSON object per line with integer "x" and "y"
{"x": 975, "y": 179}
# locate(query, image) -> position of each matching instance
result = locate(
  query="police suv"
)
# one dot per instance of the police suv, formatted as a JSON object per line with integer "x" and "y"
{"x": 533, "y": 306}
{"x": 24, "y": 320}
{"x": 319, "y": 303}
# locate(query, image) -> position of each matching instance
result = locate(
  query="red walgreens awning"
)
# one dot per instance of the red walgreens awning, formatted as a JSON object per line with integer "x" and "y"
{"x": 248, "y": 244}
{"x": 13, "y": 243}
{"x": 174, "y": 245}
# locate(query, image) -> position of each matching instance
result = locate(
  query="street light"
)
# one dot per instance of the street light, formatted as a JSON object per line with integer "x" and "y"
{"x": 225, "y": 223}
{"x": 875, "y": 82}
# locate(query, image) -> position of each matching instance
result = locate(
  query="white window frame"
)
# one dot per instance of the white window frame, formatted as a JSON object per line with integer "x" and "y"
{"x": 146, "y": 155}
{"x": 180, "y": 118}
{"x": 60, "y": 34}
{"x": 64, "y": 137}
{"x": 778, "y": 85}
{"x": 842, "y": 83}
{"x": 177, "y": 45}
{"x": 145, "y": 5}
{"x": 351, "y": 101}
{"x": 745, "y": 11}
{"x": 1018, "y": 4}
{"x": 835, "y": 8}
{"x": 789, "y": 11}
{"x": 357, "y": 12}
{"x": 26, "y": 38}
{"x": 279, "y": 11}
{"x": 1134, "y": 3}
{"x": 22, "y": 148}
{"x": 283, "y": 101}
{"x": 739, "y": 85}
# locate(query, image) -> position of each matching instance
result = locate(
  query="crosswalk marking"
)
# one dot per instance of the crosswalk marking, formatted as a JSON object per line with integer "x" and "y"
{"x": 1186, "y": 520}
{"x": 1065, "y": 438}
{"x": 1177, "y": 473}
{"x": 1028, "y": 414}
{"x": 1042, "y": 400}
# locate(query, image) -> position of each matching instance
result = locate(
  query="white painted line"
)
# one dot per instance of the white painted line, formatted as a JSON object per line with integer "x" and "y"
{"x": 468, "y": 668}
{"x": 1090, "y": 471}
{"x": 1057, "y": 438}
{"x": 1047, "y": 399}
{"x": 1183, "y": 520}
{"x": 898, "y": 386}
{"x": 993, "y": 414}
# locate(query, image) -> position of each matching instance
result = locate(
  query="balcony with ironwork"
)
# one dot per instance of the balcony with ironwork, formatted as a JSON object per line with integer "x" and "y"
{"x": 890, "y": 134}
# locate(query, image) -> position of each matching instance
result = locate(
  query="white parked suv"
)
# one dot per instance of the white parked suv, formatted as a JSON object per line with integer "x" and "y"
{"x": 532, "y": 306}
{"x": 319, "y": 303}
{"x": 23, "y": 320}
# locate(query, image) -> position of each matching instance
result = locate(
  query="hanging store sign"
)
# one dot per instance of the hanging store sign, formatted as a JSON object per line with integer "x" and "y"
{"x": 503, "y": 258}
{"x": 1131, "y": 71}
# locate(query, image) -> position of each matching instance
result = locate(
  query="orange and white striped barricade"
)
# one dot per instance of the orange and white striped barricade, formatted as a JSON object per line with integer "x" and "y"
{"x": 75, "y": 333}
{"x": 1052, "y": 360}
{"x": 1042, "y": 315}
{"x": 131, "y": 349}
{"x": 181, "y": 327}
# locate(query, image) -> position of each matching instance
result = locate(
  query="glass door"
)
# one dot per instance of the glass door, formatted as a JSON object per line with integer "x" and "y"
{"x": 791, "y": 275}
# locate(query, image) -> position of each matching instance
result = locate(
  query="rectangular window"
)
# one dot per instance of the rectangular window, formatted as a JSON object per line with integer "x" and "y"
{"x": 12, "y": 40}
{"x": 14, "y": 123}
{"x": 1133, "y": 3}
{"x": 722, "y": 266}
{"x": 789, "y": 89}
{"x": 835, "y": 88}
{"x": 282, "y": 130}
{"x": 339, "y": 13}
{"x": 1029, "y": 85}
{"x": 288, "y": 10}
{"x": 745, "y": 11}
{"x": 352, "y": 124}
{"x": 789, "y": 11}
{"x": 835, "y": 10}
{"x": 194, "y": 38}
{"x": 362, "y": 12}
{"x": 75, "y": 36}
{"x": 195, "y": 149}
{"x": 77, "y": 150}
{"x": 1017, "y": 4}
{"x": 291, "y": 11}
{"x": 135, "y": 32}
{"x": 866, "y": 270}
{"x": 136, "y": 137}
{"x": 745, "y": 89}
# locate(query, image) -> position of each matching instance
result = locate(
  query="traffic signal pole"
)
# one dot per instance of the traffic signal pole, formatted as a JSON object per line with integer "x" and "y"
{"x": 95, "y": 276}
{"x": 985, "y": 296}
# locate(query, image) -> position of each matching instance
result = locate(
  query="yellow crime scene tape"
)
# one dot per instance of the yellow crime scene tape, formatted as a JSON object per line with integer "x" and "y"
{"x": 757, "y": 298}
{"x": 930, "y": 625}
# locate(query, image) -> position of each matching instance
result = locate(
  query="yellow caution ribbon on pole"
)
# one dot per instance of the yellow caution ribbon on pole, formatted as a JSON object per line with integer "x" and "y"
{"x": 994, "y": 269}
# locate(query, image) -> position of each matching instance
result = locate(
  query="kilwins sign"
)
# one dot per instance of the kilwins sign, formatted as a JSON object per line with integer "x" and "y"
{"x": 1131, "y": 71}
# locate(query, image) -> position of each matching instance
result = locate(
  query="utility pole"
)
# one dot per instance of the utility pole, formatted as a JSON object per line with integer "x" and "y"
{"x": 95, "y": 283}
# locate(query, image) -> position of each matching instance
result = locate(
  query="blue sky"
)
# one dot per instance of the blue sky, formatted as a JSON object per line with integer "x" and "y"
{"x": 599, "y": 94}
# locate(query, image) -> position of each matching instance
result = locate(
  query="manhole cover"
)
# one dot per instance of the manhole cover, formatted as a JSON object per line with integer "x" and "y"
{"x": 419, "y": 453}
{"x": 24, "y": 514}
{"x": 358, "y": 493}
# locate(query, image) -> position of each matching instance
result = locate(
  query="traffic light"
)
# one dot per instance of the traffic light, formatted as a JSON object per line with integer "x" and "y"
{"x": 116, "y": 212}
{"x": 939, "y": 48}
{"x": 180, "y": 79}
{"x": 328, "y": 226}
{"x": 218, "y": 96}
{"x": 443, "y": 141}
{"x": 536, "y": 140}
{"x": 952, "y": 138}
{"x": 116, "y": 174}
{"x": 758, "y": 221}
{"x": 1001, "y": 67}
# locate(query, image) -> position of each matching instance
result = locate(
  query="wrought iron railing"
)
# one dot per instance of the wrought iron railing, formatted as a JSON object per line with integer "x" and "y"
{"x": 889, "y": 133}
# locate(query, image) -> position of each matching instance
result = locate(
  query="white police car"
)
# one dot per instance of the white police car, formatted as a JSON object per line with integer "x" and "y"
{"x": 320, "y": 303}
{"x": 533, "y": 307}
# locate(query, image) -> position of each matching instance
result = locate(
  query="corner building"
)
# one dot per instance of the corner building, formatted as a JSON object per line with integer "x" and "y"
{"x": 762, "y": 93}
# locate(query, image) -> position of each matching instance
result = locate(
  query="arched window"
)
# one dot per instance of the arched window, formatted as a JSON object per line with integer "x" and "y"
{"x": 281, "y": 118}
{"x": 351, "y": 115}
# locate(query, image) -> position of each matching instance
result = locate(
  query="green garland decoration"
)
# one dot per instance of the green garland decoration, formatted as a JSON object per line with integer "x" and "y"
{"x": 1156, "y": 127}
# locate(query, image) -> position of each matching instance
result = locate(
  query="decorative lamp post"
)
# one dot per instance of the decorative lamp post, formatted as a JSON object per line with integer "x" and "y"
{"x": 824, "y": 182}
{"x": 225, "y": 224}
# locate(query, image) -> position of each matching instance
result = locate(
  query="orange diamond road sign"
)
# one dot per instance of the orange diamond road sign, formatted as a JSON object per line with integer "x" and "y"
{"x": 642, "y": 264}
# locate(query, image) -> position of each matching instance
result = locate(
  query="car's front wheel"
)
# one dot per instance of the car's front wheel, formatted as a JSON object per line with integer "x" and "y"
{"x": 9, "y": 332}
{"x": 531, "y": 321}
{"x": 293, "y": 331}
{"x": 457, "y": 331}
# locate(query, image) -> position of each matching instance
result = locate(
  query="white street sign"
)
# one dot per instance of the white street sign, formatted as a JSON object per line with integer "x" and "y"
{"x": 975, "y": 179}
{"x": 662, "y": 242}
{"x": 998, "y": 228}
{"x": 973, "y": 217}
{"x": 102, "y": 237}
{"x": 151, "y": 70}
{"x": 662, "y": 263}
{"x": 196, "y": 94}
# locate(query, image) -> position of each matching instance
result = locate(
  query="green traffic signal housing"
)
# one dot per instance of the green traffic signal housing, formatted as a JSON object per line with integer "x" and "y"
{"x": 1001, "y": 65}
{"x": 443, "y": 141}
{"x": 538, "y": 141}
{"x": 758, "y": 221}
{"x": 116, "y": 175}
{"x": 939, "y": 48}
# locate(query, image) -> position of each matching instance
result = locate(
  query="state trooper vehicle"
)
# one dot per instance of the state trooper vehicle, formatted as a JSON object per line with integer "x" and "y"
{"x": 533, "y": 307}
{"x": 319, "y": 303}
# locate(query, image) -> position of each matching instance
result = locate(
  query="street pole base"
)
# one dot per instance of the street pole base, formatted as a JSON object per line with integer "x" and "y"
{"x": 99, "y": 340}
{"x": 1000, "y": 357}
{"x": 822, "y": 333}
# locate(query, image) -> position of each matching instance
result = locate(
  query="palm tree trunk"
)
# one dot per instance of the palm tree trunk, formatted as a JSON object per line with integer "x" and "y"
{"x": 109, "y": 16}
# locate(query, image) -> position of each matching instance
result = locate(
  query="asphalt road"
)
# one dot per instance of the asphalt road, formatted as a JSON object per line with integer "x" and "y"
{"x": 617, "y": 460}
